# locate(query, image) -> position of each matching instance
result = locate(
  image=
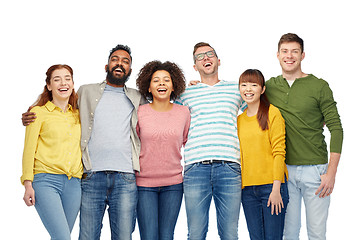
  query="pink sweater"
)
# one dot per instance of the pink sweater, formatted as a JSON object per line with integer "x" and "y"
{"x": 162, "y": 134}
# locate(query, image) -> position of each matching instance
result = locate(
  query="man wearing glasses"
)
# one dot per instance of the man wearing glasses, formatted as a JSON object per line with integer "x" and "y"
{"x": 212, "y": 162}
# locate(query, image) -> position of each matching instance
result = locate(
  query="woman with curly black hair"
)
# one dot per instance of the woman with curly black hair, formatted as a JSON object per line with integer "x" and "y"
{"x": 162, "y": 128}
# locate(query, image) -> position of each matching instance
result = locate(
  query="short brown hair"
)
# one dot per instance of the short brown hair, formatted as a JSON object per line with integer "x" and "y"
{"x": 291, "y": 37}
{"x": 176, "y": 74}
{"x": 199, "y": 45}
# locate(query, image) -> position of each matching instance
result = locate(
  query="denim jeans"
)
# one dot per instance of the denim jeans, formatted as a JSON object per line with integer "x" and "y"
{"x": 202, "y": 182}
{"x": 118, "y": 192}
{"x": 157, "y": 211}
{"x": 57, "y": 201}
{"x": 303, "y": 182}
{"x": 262, "y": 225}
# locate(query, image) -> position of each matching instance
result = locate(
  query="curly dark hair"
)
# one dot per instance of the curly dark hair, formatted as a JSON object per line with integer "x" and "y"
{"x": 177, "y": 77}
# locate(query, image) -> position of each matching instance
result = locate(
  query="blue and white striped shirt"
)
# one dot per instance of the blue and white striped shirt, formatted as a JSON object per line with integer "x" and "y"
{"x": 213, "y": 129}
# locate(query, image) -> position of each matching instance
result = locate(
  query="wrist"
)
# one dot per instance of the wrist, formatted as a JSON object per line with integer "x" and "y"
{"x": 276, "y": 186}
{"x": 27, "y": 184}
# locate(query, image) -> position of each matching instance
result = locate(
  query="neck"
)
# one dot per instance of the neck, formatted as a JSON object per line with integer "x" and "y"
{"x": 63, "y": 104}
{"x": 161, "y": 106}
{"x": 210, "y": 80}
{"x": 252, "y": 109}
{"x": 291, "y": 76}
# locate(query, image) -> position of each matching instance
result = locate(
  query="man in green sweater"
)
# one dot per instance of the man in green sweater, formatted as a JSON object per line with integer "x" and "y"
{"x": 306, "y": 103}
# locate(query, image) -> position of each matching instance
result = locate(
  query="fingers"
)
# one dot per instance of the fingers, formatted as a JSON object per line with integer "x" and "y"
{"x": 29, "y": 195}
{"x": 27, "y": 118}
{"x": 29, "y": 200}
{"x": 193, "y": 82}
{"x": 326, "y": 191}
{"x": 319, "y": 189}
{"x": 276, "y": 207}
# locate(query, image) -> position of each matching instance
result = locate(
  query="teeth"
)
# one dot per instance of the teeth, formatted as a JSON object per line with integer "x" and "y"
{"x": 63, "y": 89}
{"x": 207, "y": 64}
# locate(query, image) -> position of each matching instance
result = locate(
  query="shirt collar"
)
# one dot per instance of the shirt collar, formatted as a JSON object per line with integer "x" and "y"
{"x": 51, "y": 107}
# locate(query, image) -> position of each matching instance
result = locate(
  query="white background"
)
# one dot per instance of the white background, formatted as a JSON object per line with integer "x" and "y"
{"x": 38, "y": 34}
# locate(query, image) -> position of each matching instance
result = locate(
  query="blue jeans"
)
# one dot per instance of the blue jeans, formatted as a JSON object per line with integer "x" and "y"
{"x": 261, "y": 224}
{"x": 157, "y": 211}
{"x": 303, "y": 182}
{"x": 118, "y": 191}
{"x": 57, "y": 201}
{"x": 221, "y": 181}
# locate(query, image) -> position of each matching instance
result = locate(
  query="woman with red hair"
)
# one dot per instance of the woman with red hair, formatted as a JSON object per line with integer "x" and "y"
{"x": 52, "y": 166}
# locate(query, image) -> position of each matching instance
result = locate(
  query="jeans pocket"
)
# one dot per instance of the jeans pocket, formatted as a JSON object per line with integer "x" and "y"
{"x": 321, "y": 168}
{"x": 189, "y": 167}
{"x": 235, "y": 167}
{"x": 129, "y": 177}
{"x": 40, "y": 177}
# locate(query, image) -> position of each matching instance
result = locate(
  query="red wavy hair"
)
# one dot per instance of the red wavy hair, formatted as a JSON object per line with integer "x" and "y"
{"x": 46, "y": 95}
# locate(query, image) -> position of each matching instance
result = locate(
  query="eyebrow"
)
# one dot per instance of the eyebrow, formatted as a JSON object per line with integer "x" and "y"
{"x": 290, "y": 49}
{"x": 116, "y": 56}
{"x": 59, "y": 76}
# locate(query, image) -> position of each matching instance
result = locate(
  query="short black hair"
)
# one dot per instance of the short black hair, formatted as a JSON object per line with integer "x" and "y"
{"x": 121, "y": 47}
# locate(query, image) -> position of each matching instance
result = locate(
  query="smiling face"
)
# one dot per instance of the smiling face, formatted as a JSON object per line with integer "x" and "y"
{"x": 251, "y": 92}
{"x": 61, "y": 84}
{"x": 208, "y": 65}
{"x": 119, "y": 68}
{"x": 290, "y": 57}
{"x": 161, "y": 86}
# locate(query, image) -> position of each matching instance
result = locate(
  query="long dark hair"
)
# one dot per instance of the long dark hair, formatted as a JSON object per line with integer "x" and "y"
{"x": 255, "y": 76}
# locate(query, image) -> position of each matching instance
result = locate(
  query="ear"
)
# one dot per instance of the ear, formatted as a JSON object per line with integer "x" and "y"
{"x": 106, "y": 67}
{"x": 48, "y": 87}
{"x": 262, "y": 92}
{"x": 219, "y": 62}
{"x": 195, "y": 67}
{"x": 278, "y": 55}
{"x": 302, "y": 56}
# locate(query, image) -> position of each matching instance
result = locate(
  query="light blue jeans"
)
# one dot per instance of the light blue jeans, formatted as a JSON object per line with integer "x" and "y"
{"x": 303, "y": 182}
{"x": 57, "y": 201}
{"x": 221, "y": 181}
{"x": 118, "y": 192}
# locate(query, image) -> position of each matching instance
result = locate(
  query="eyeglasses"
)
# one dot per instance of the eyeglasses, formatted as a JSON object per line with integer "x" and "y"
{"x": 201, "y": 56}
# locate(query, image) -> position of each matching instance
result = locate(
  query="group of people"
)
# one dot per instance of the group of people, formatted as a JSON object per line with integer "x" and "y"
{"x": 127, "y": 155}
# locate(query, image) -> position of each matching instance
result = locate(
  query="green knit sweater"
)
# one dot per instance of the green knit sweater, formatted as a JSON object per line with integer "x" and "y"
{"x": 306, "y": 106}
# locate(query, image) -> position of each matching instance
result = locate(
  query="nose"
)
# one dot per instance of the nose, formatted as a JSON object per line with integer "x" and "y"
{"x": 289, "y": 54}
{"x": 247, "y": 87}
